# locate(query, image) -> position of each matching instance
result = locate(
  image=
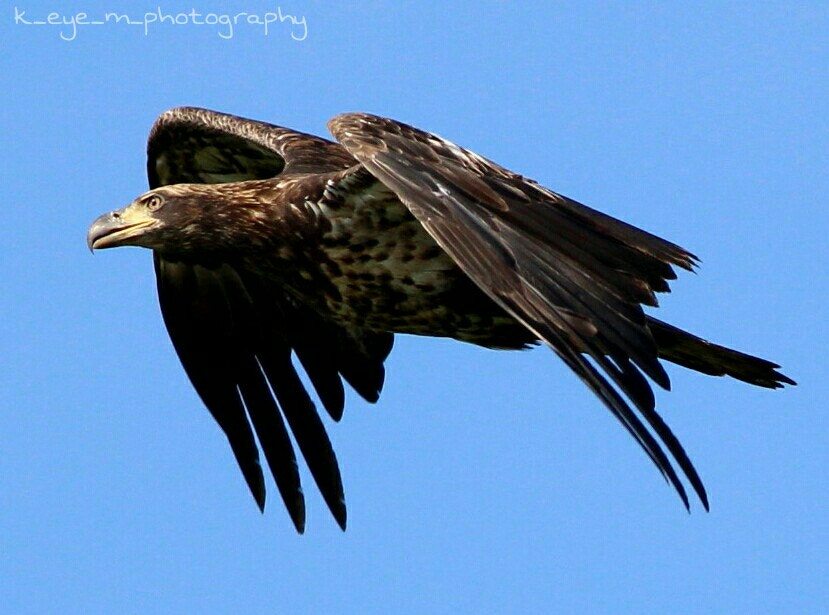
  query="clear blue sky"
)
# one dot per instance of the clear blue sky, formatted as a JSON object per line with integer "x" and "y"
{"x": 482, "y": 481}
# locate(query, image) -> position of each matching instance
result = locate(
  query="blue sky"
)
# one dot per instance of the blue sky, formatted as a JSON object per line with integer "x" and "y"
{"x": 482, "y": 481}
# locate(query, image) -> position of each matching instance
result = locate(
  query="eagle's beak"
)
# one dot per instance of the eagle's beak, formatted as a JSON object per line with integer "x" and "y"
{"x": 119, "y": 228}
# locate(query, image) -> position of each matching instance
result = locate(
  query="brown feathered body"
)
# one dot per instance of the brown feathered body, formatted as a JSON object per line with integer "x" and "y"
{"x": 357, "y": 257}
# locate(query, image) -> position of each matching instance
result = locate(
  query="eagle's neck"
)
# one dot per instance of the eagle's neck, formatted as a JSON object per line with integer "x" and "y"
{"x": 246, "y": 220}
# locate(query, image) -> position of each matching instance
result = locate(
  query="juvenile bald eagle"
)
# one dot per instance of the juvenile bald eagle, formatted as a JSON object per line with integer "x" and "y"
{"x": 269, "y": 242}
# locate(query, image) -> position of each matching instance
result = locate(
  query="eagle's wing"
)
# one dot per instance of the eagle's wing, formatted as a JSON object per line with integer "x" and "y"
{"x": 235, "y": 335}
{"x": 573, "y": 276}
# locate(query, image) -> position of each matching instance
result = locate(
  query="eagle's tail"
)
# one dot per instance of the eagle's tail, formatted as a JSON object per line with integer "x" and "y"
{"x": 690, "y": 351}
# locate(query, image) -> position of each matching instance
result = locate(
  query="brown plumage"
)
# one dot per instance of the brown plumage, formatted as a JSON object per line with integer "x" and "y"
{"x": 270, "y": 243}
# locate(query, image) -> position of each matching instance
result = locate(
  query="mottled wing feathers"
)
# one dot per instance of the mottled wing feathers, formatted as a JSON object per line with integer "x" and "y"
{"x": 235, "y": 335}
{"x": 191, "y": 145}
{"x": 573, "y": 276}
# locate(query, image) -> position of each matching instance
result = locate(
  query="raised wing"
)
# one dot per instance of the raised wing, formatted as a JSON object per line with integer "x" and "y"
{"x": 573, "y": 276}
{"x": 191, "y": 145}
{"x": 235, "y": 335}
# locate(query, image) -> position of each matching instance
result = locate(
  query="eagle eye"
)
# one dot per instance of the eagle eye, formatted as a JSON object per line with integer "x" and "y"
{"x": 154, "y": 202}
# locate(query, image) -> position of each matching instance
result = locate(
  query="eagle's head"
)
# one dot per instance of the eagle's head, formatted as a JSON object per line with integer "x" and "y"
{"x": 179, "y": 220}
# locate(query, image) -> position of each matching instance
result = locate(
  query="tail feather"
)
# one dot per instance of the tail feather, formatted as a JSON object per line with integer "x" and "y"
{"x": 682, "y": 348}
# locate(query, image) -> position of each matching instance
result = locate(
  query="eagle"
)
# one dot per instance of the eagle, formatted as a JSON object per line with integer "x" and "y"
{"x": 271, "y": 245}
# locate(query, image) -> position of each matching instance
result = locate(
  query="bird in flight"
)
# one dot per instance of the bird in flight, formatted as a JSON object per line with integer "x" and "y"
{"x": 270, "y": 243}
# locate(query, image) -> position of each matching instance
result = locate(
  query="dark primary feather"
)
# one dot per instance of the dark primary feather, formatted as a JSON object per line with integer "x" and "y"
{"x": 210, "y": 360}
{"x": 235, "y": 337}
{"x": 571, "y": 275}
{"x": 403, "y": 232}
